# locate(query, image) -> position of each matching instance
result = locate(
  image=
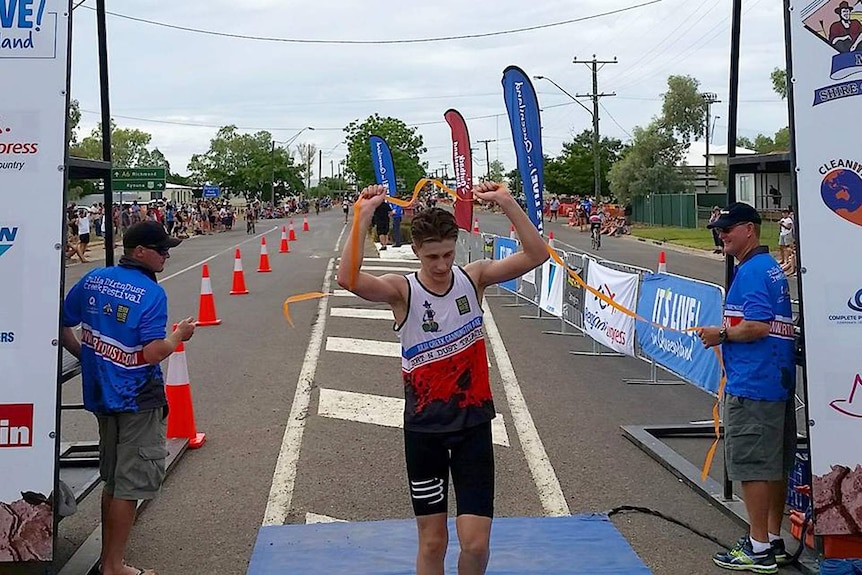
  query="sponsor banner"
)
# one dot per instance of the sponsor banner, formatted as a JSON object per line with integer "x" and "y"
{"x": 826, "y": 57}
{"x": 573, "y": 296}
{"x": 503, "y": 248}
{"x": 462, "y": 160}
{"x": 33, "y": 65}
{"x": 674, "y": 305}
{"x": 551, "y": 294}
{"x": 604, "y": 323}
{"x": 523, "y": 109}
{"x": 384, "y": 168}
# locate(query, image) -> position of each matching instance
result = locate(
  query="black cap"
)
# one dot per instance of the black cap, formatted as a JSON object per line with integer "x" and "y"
{"x": 149, "y": 234}
{"x": 735, "y": 213}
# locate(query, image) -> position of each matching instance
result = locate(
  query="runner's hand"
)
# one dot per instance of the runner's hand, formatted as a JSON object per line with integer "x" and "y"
{"x": 371, "y": 197}
{"x": 186, "y": 328}
{"x": 492, "y": 192}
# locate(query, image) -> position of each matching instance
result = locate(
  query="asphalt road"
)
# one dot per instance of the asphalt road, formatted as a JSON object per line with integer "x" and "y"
{"x": 244, "y": 377}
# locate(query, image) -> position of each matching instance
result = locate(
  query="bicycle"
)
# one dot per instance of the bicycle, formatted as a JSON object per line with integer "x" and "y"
{"x": 596, "y": 238}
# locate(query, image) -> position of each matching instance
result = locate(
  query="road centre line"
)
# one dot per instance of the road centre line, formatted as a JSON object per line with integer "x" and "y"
{"x": 550, "y": 493}
{"x": 284, "y": 476}
{"x": 382, "y": 410}
{"x": 361, "y": 313}
{"x": 363, "y": 346}
{"x": 212, "y": 257}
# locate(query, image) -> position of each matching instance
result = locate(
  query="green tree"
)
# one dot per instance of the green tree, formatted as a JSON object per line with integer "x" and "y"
{"x": 247, "y": 165}
{"x": 74, "y": 121}
{"x": 405, "y": 142}
{"x": 513, "y": 180}
{"x": 649, "y": 165}
{"x": 683, "y": 108}
{"x": 497, "y": 170}
{"x": 743, "y": 142}
{"x": 779, "y": 82}
{"x": 307, "y": 156}
{"x": 573, "y": 172}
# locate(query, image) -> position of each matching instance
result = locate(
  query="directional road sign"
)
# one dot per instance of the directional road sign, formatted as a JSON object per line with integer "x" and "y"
{"x": 138, "y": 179}
{"x": 211, "y": 191}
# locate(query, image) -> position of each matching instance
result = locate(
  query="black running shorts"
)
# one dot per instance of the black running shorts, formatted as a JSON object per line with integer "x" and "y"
{"x": 469, "y": 454}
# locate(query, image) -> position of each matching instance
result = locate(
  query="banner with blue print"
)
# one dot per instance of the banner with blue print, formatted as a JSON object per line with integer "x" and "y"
{"x": 384, "y": 168}
{"x": 674, "y": 305}
{"x": 523, "y": 110}
{"x": 503, "y": 248}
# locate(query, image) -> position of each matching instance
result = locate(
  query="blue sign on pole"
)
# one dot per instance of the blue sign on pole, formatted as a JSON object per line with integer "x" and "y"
{"x": 503, "y": 248}
{"x": 211, "y": 192}
{"x": 675, "y": 305}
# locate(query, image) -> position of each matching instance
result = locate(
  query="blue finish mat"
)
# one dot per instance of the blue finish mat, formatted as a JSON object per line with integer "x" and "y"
{"x": 583, "y": 544}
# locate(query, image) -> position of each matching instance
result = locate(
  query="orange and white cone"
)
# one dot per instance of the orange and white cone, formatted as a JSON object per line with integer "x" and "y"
{"x": 263, "y": 267}
{"x": 292, "y": 236}
{"x": 181, "y": 412}
{"x": 662, "y": 263}
{"x": 207, "y": 310}
{"x": 305, "y": 223}
{"x": 513, "y": 235}
{"x": 475, "y": 225}
{"x": 551, "y": 239}
{"x": 238, "y": 276}
{"x": 285, "y": 247}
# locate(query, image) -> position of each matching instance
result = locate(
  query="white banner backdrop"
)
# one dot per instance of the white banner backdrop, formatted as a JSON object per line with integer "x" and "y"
{"x": 33, "y": 66}
{"x": 551, "y": 294}
{"x": 604, "y": 323}
{"x": 826, "y": 52}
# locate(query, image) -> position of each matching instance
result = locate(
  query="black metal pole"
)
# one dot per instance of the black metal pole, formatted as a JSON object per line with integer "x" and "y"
{"x": 733, "y": 112}
{"x": 106, "y": 131}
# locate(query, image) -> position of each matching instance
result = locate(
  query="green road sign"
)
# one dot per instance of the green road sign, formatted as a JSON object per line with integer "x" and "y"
{"x": 137, "y": 185}
{"x": 138, "y": 179}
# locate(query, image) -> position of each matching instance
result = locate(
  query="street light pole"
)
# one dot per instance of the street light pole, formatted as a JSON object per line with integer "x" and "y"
{"x": 272, "y": 160}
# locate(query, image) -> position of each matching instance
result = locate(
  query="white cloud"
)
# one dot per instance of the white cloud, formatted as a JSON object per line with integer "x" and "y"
{"x": 162, "y": 74}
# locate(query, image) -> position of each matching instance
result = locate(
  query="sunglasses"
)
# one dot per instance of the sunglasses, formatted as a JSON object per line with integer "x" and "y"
{"x": 161, "y": 251}
{"x": 728, "y": 228}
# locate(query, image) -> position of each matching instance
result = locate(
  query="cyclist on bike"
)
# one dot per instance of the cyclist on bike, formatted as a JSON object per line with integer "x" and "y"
{"x": 596, "y": 220}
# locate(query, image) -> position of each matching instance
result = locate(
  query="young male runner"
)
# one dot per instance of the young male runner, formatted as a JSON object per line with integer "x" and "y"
{"x": 448, "y": 407}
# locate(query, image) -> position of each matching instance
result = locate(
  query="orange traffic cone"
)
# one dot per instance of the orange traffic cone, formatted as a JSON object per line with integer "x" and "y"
{"x": 662, "y": 263}
{"x": 305, "y": 223}
{"x": 285, "y": 247}
{"x": 475, "y": 225}
{"x": 207, "y": 310}
{"x": 513, "y": 235}
{"x": 238, "y": 276}
{"x": 181, "y": 413}
{"x": 551, "y": 239}
{"x": 264, "y": 257}
{"x": 292, "y": 231}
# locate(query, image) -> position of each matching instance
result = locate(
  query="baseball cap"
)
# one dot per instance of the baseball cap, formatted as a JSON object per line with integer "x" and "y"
{"x": 149, "y": 234}
{"x": 735, "y": 213}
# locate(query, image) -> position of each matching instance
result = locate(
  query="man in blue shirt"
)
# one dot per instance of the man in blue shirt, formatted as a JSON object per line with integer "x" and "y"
{"x": 757, "y": 343}
{"x": 123, "y": 313}
{"x": 397, "y": 214}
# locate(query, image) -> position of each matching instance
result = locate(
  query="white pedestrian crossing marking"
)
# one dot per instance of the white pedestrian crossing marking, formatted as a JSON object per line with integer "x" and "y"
{"x": 369, "y": 269}
{"x": 361, "y": 313}
{"x": 311, "y": 518}
{"x": 343, "y": 293}
{"x": 382, "y": 410}
{"x": 363, "y": 346}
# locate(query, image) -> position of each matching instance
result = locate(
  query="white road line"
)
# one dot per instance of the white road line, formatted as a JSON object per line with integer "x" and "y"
{"x": 363, "y": 346}
{"x": 343, "y": 293}
{"x": 212, "y": 257}
{"x": 284, "y": 476}
{"x": 361, "y": 313}
{"x": 390, "y": 260}
{"x": 311, "y": 518}
{"x": 547, "y": 484}
{"x": 382, "y": 410}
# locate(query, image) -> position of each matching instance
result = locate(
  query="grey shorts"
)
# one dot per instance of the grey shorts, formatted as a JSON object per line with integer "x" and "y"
{"x": 785, "y": 240}
{"x": 132, "y": 452}
{"x": 759, "y": 438}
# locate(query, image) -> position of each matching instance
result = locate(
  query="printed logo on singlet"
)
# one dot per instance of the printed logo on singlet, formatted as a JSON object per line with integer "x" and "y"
{"x": 430, "y": 489}
{"x": 428, "y": 323}
{"x": 463, "y": 305}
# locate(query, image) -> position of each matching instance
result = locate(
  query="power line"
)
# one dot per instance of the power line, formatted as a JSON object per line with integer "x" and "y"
{"x": 379, "y": 42}
{"x": 614, "y": 120}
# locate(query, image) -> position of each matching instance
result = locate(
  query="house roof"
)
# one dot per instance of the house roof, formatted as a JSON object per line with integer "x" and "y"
{"x": 696, "y": 154}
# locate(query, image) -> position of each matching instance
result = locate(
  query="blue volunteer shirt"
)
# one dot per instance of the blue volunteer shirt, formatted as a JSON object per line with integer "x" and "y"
{"x": 397, "y": 211}
{"x": 765, "y": 369}
{"x": 120, "y": 309}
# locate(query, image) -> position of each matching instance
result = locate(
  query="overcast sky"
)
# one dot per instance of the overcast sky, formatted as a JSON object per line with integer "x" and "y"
{"x": 206, "y": 81}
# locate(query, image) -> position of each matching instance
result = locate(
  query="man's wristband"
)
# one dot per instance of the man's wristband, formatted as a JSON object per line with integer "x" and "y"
{"x": 722, "y": 335}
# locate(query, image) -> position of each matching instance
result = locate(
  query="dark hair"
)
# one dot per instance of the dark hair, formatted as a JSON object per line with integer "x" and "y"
{"x": 433, "y": 225}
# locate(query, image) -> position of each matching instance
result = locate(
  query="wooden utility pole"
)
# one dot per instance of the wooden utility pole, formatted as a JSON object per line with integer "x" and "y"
{"x": 596, "y": 65}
